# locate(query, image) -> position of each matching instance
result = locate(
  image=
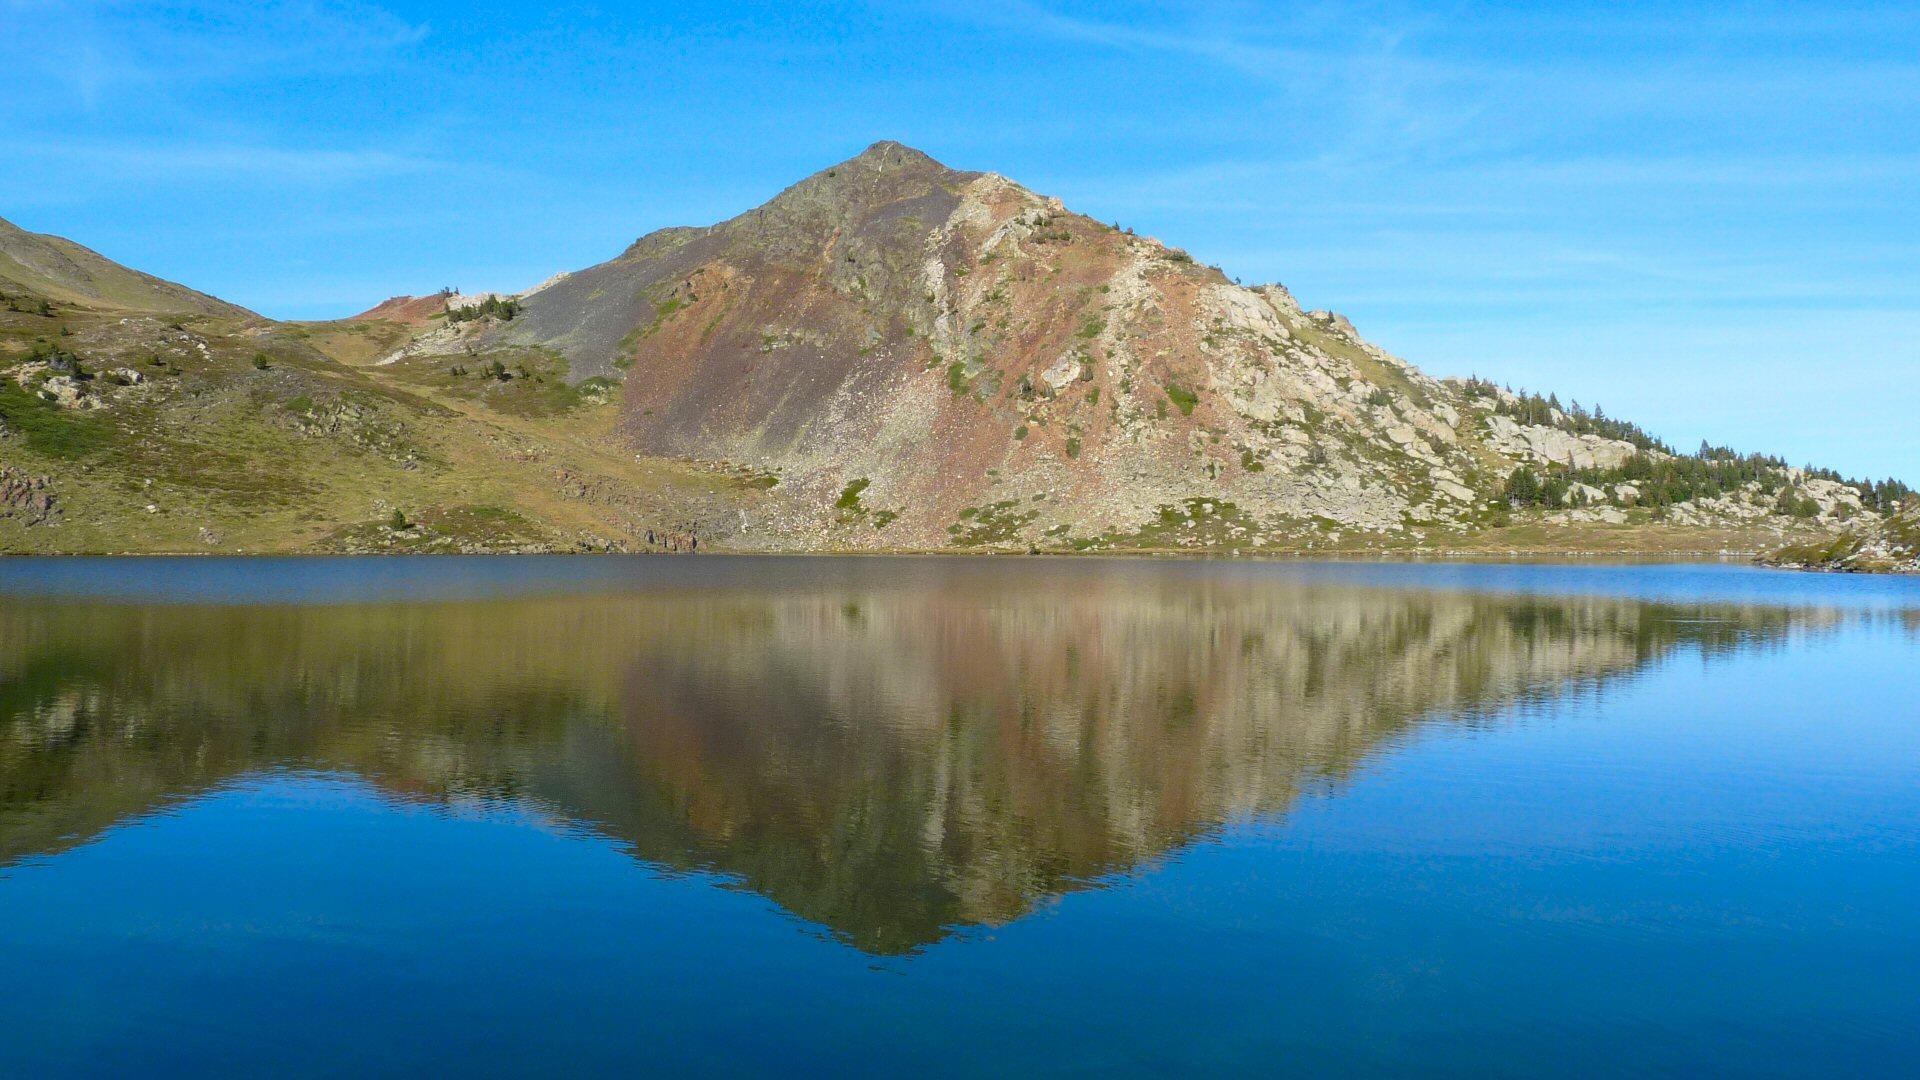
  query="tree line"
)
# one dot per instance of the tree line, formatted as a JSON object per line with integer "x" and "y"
{"x": 497, "y": 307}
{"x": 1661, "y": 475}
{"x": 1537, "y": 411}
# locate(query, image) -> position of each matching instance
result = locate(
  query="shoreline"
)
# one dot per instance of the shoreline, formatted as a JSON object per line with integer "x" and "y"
{"x": 1677, "y": 557}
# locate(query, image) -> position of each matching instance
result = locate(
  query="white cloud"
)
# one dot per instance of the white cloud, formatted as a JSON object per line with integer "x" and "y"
{"x": 232, "y": 161}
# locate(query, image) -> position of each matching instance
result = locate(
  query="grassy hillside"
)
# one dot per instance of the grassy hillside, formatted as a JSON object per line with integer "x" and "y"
{"x": 208, "y": 433}
{"x": 34, "y": 267}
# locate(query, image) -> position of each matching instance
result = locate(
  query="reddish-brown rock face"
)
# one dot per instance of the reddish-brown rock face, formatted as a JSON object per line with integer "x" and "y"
{"x": 411, "y": 310}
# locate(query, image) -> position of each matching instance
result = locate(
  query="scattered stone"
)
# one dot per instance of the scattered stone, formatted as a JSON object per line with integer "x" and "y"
{"x": 28, "y": 499}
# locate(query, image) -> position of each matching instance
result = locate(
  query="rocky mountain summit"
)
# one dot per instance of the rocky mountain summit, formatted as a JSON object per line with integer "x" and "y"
{"x": 924, "y": 356}
{"x": 889, "y": 355}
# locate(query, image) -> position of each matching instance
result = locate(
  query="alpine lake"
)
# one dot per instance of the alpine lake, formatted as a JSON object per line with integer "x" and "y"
{"x": 955, "y": 816}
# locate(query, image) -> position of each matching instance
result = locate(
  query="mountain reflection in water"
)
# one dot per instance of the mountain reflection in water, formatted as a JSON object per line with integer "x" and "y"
{"x": 891, "y": 757}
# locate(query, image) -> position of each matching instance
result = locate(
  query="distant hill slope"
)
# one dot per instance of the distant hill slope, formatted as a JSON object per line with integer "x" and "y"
{"x": 55, "y": 268}
{"x": 410, "y": 310}
{"x": 141, "y": 416}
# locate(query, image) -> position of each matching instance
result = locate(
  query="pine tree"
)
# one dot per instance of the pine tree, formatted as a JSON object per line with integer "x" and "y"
{"x": 1523, "y": 488}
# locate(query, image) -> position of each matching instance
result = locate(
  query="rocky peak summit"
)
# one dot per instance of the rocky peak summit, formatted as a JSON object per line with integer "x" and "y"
{"x": 926, "y": 355}
{"x": 933, "y": 334}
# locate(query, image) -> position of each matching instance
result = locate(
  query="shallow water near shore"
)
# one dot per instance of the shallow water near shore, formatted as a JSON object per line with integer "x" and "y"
{"x": 955, "y": 816}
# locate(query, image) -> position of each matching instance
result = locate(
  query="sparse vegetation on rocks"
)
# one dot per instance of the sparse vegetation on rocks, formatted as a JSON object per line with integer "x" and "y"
{"x": 1182, "y": 398}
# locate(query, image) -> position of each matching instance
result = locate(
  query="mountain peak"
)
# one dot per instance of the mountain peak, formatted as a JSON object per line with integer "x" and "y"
{"x": 882, "y": 186}
{"x": 883, "y": 161}
{"x": 888, "y": 154}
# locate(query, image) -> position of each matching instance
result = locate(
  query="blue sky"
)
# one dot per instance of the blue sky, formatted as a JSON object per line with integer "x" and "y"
{"x": 1705, "y": 217}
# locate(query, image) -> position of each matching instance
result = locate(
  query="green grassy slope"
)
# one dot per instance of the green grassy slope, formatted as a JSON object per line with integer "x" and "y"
{"x": 208, "y": 433}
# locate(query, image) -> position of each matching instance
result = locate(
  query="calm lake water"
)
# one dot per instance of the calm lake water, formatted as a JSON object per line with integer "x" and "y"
{"x": 955, "y": 816}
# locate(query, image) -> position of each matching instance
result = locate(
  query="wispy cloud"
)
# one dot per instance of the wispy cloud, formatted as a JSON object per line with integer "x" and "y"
{"x": 229, "y": 161}
{"x": 1398, "y": 84}
{"x": 102, "y": 50}
{"x": 1494, "y": 187}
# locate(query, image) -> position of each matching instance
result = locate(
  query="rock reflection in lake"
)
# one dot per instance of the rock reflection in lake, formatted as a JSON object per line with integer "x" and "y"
{"x": 891, "y": 754}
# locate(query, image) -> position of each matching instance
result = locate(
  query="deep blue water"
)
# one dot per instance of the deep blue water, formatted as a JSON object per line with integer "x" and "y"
{"x": 956, "y": 817}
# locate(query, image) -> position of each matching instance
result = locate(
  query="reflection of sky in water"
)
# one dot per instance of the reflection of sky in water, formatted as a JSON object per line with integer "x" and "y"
{"x": 962, "y": 816}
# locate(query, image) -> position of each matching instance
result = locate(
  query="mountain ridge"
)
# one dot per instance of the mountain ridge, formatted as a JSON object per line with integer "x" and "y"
{"x": 889, "y": 354}
{"x": 56, "y": 268}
